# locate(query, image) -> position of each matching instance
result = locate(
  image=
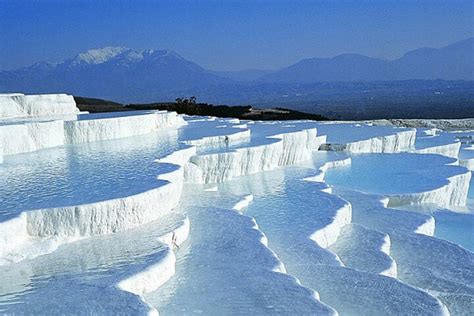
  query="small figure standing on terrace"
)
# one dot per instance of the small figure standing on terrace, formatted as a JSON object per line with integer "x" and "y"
{"x": 226, "y": 141}
{"x": 174, "y": 241}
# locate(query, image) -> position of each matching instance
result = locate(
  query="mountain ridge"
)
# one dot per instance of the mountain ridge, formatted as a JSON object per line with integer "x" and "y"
{"x": 111, "y": 72}
{"x": 451, "y": 62}
{"x": 125, "y": 74}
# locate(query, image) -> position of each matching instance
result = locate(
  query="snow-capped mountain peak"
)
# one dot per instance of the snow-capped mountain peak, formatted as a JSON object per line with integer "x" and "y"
{"x": 99, "y": 56}
{"x": 122, "y": 56}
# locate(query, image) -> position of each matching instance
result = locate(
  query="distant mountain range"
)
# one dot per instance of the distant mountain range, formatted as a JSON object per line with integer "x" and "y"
{"x": 453, "y": 62}
{"x": 127, "y": 75}
{"x": 112, "y": 72}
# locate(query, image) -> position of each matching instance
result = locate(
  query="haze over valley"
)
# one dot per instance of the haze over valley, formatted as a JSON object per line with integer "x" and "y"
{"x": 426, "y": 82}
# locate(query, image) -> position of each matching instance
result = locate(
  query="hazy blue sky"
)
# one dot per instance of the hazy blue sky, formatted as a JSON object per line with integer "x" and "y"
{"x": 229, "y": 35}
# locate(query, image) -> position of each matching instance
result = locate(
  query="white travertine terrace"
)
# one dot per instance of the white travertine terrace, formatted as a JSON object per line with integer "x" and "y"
{"x": 20, "y": 105}
{"x": 33, "y": 136}
{"x": 91, "y": 130}
{"x": 454, "y": 192}
{"x": 448, "y": 150}
{"x": 366, "y": 250}
{"x": 343, "y": 235}
{"x": 286, "y": 149}
{"x": 374, "y": 139}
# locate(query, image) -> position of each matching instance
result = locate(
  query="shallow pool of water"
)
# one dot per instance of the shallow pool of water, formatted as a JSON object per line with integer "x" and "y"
{"x": 394, "y": 173}
{"x": 83, "y": 173}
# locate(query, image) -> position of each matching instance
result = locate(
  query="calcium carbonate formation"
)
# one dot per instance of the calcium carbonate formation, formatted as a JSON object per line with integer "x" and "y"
{"x": 347, "y": 214}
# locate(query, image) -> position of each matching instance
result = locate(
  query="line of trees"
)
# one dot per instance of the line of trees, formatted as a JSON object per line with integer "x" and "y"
{"x": 190, "y": 106}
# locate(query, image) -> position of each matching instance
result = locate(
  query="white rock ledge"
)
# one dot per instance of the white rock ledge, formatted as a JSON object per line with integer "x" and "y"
{"x": 20, "y": 105}
{"x": 119, "y": 127}
{"x": 366, "y": 250}
{"x": 327, "y": 235}
{"x": 397, "y": 142}
{"x": 240, "y": 134}
{"x": 46, "y": 121}
{"x": 453, "y": 193}
{"x": 321, "y": 171}
{"x": 287, "y": 149}
{"x": 108, "y": 216}
{"x": 448, "y": 150}
{"x": 157, "y": 274}
{"x": 279, "y": 266}
{"x": 245, "y": 202}
{"x": 60, "y": 225}
{"x": 28, "y": 137}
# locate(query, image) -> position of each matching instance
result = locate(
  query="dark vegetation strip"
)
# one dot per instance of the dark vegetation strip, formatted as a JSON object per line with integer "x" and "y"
{"x": 191, "y": 107}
